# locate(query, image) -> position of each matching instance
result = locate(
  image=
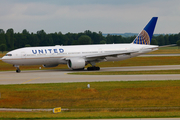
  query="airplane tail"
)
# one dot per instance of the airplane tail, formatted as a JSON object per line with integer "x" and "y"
{"x": 146, "y": 34}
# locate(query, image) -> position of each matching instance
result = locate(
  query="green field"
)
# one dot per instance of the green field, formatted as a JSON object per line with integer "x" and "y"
{"x": 2, "y": 54}
{"x": 128, "y": 72}
{"x": 167, "y": 50}
{"x": 100, "y": 95}
{"x": 143, "y": 61}
{"x": 115, "y": 99}
{"x": 91, "y": 115}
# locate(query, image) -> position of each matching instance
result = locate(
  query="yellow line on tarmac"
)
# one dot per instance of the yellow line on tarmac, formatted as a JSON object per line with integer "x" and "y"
{"x": 30, "y": 80}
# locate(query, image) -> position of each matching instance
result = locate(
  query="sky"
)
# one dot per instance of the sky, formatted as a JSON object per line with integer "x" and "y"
{"x": 74, "y": 16}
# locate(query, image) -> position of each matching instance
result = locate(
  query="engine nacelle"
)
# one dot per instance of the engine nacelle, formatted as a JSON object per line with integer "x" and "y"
{"x": 50, "y": 65}
{"x": 76, "y": 63}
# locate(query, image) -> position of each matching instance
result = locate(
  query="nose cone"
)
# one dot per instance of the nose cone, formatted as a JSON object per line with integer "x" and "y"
{"x": 3, "y": 58}
{"x": 6, "y": 59}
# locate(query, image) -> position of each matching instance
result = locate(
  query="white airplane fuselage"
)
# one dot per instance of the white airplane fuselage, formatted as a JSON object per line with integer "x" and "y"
{"x": 59, "y": 54}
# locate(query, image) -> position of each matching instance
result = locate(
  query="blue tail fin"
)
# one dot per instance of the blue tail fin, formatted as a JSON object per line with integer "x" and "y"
{"x": 146, "y": 34}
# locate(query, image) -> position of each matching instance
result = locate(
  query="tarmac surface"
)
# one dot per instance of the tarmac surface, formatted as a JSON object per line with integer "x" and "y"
{"x": 61, "y": 76}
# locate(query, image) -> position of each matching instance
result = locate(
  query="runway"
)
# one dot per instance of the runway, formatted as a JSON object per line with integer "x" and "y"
{"x": 61, "y": 76}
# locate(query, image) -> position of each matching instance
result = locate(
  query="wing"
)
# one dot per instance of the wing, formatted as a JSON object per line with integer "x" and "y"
{"x": 101, "y": 56}
{"x": 108, "y": 54}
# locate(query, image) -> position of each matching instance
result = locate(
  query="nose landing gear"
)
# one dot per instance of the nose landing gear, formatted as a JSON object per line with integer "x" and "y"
{"x": 17, "y": 68}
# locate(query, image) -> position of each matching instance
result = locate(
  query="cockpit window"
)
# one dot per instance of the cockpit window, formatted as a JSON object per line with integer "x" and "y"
{"x": 8, "y": 54}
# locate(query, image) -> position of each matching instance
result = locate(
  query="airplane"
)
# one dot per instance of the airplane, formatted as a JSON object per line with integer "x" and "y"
{"x": 78, "y": 56}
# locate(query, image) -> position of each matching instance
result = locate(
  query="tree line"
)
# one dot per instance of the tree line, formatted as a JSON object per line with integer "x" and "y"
{"x": 10, "y": 40}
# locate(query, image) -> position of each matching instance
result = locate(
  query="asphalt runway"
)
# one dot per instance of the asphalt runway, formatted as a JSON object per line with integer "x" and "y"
{"x": 61, "y": 76}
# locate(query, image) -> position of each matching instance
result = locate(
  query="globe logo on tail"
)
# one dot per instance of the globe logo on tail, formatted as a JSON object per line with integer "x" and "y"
{"x": 142, "y": 38}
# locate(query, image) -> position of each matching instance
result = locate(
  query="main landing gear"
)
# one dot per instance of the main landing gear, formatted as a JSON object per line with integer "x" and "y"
{"x": 93, "y": 66}
{"x": 17, "y": 68}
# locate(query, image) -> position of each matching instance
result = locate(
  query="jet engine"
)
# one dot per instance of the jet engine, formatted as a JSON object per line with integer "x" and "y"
{"x": 76, "y": 63}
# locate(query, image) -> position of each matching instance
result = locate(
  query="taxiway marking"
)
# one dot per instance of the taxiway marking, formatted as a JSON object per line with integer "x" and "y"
{"x": 30, "y": 80}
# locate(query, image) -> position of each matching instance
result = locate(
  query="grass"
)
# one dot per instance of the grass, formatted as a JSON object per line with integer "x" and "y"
{"x": 2, "y": 54}
{"x": 128, "y": 72}
{"x": 167, "y": 50}
{"x": 100, "y": 95}
{"x": 91, "y": 115}
{"x": 143, "y": 61}
{"x": 134, "y": 95}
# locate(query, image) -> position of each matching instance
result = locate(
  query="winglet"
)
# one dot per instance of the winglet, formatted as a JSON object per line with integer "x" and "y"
{"x": 146, "y": 34}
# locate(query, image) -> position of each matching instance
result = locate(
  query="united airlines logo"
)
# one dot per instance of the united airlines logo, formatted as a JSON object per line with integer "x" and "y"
{"x": 45, "y": 51}
{"x": 142, "y": 38}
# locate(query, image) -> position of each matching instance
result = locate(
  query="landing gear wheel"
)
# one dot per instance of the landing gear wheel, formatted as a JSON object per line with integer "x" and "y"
{"x": 18, "y": 70}
{"x": 93, "y": 68}
{"x": 97, "y": 68}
